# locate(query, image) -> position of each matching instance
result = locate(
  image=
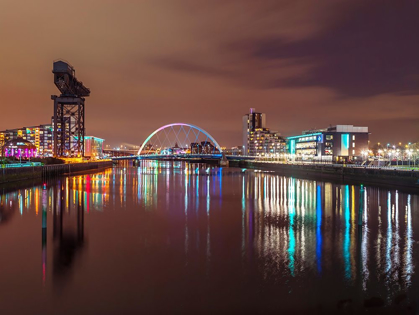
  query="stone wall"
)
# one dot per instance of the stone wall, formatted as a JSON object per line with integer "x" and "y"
{"x": 376, "y": 176}
{"x": 8, "y": 175}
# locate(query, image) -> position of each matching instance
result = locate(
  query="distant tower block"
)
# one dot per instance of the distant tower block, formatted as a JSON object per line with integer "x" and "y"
{"x": 68, "y": 119}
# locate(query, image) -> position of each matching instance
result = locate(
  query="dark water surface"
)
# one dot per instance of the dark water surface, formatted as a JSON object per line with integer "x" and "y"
{"x": 189, "y": 238}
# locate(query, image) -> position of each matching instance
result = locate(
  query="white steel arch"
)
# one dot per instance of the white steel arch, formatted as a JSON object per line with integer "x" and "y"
{"x": 179, "y": 124}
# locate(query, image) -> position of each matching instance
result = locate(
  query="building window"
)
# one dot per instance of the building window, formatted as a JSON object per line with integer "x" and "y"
{"x": 353, "y": 137}
{"x": 353, "y": 144}
{"x": 329, "y": 137}
{"x": 353, "y": 152}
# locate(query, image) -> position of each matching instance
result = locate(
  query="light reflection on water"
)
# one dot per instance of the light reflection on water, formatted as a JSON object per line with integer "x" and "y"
{"x": 272, "y": 230}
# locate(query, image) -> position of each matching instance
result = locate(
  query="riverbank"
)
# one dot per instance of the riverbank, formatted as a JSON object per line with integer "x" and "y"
{"x": 8, "y": 175}
{"x": 361, "y": 175}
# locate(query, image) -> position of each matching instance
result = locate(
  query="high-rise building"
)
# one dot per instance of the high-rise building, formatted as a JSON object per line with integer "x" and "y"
{"x": 250, "y": 123}
{"x": 258, "y": 140}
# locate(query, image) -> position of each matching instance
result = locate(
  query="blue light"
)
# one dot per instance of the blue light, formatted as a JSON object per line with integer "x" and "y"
{"x": 292, "y": 146}
{"x": 291, "y": 233}
{"x": 347, "y": 236}
{"x": 318, "y": 230}
{"x": 345, "y": 144}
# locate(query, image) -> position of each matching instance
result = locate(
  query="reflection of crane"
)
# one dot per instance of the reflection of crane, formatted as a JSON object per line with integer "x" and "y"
{"x": 68, "y": 111}
{"x": 68, "y": 235}
{"x": 6, "y": 211}
{"x": 68, "y": 241}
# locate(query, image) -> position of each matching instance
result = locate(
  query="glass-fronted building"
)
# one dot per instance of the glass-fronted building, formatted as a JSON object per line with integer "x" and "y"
{"x": 340, "y": 143}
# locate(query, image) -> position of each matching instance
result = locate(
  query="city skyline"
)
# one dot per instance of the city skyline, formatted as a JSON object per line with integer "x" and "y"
{"x": 148, "y": 64}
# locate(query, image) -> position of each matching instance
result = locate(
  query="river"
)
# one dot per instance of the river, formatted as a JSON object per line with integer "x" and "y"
{"x": 176, "y": 237}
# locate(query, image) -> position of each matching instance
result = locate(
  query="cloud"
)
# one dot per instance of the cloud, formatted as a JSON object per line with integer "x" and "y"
{"x": 305, "y": 63}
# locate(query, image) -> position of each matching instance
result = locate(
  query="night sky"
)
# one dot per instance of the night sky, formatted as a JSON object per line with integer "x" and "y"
{"x": 306, "y": 64}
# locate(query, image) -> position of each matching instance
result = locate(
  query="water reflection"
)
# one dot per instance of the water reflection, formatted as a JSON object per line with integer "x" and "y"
{"x": 257, "y": 225}
{"x": 312, "y": 221}
{"x": 68, "y": 226}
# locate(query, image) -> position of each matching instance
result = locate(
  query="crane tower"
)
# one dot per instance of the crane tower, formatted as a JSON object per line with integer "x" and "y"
{"x": 68, "y": 119}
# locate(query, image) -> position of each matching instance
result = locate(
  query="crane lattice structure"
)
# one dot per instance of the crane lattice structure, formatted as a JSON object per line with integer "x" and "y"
{"x": 68, "y": 119}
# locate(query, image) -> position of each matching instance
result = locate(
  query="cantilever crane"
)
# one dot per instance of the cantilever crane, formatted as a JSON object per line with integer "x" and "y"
{"x": 66, "y": 82}
{"x": 68, "y": 120}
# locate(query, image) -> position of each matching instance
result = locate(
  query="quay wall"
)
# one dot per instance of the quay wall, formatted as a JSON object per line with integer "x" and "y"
{"x": 362, "y": 175}
{"x": 8, "y": 175}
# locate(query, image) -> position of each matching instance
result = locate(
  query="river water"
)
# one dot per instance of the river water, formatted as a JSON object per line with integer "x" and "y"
{"x": 174, "y": 237}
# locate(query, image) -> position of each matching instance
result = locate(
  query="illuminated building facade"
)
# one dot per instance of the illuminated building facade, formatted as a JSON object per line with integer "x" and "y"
{"x": 251, "y": 122}
{"x": 259, "y": 140}
{"x": 19, "y": 148}
{"x": 263, "y": 142}
{"x": 205, "y": 147}
{"x": 40, "y": 136}
{"x": 232, "y": 151}
{"x": 93, "y": 147}
{"x": 335, "y": 143}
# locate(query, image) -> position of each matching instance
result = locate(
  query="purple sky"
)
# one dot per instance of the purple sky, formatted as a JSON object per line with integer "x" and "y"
{"x": 306, "y": 64}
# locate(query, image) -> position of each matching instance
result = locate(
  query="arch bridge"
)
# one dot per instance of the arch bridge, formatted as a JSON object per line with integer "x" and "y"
{"x": 179, "y": 140}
